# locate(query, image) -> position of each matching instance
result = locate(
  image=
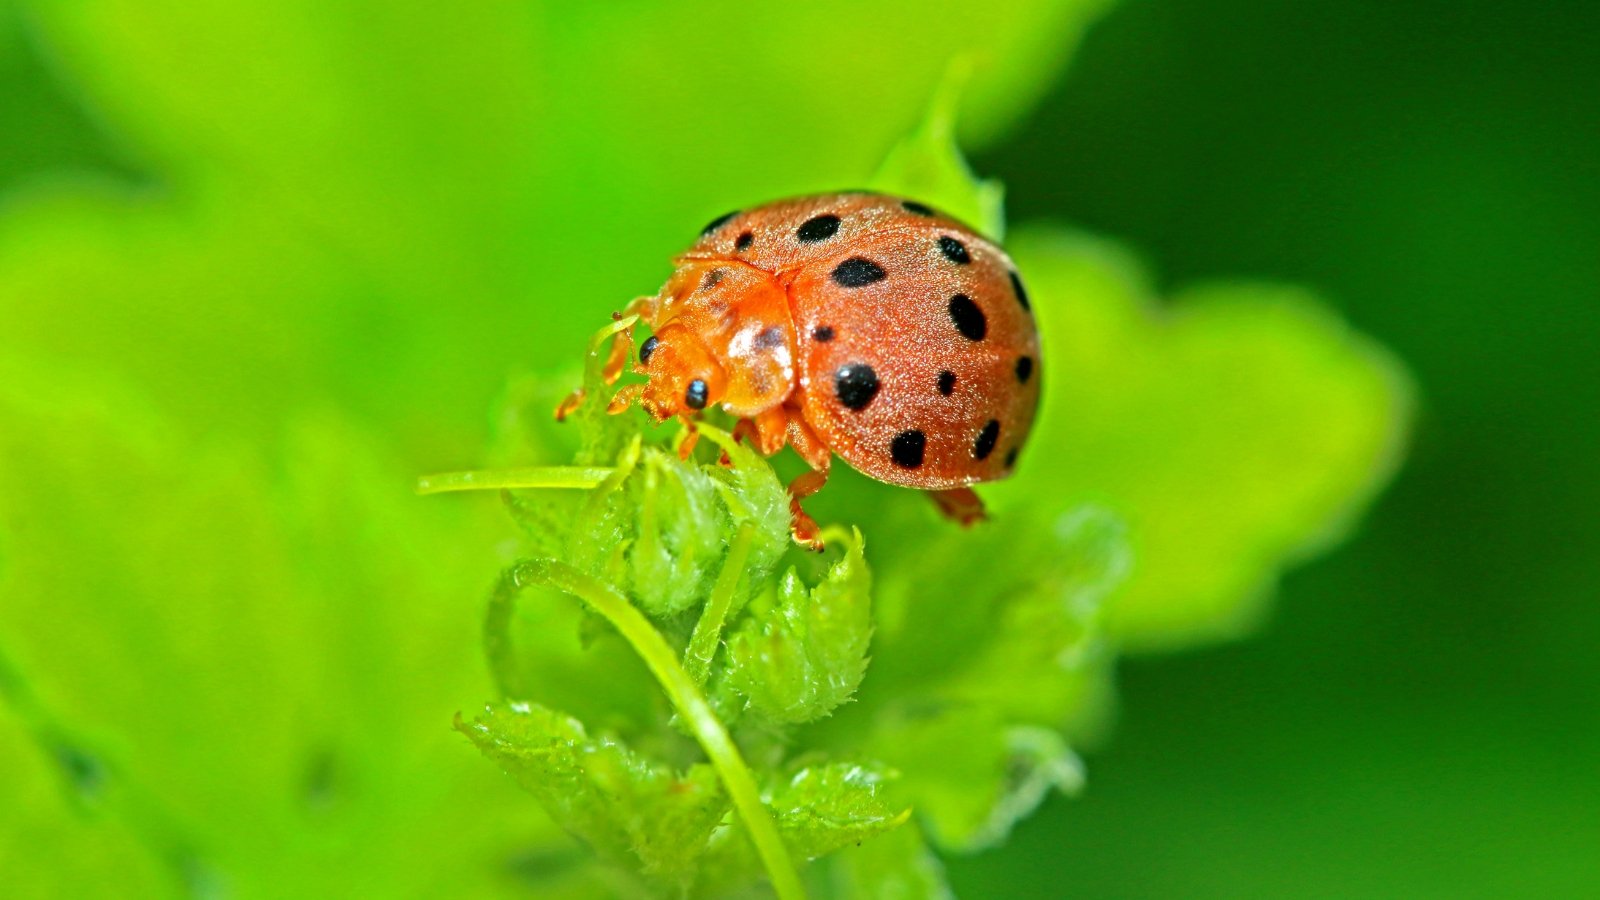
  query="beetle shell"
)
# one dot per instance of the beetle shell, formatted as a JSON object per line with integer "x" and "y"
{"x": 906, "y": 338}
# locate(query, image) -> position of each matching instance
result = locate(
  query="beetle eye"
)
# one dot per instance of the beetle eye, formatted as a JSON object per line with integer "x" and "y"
{"x": 695, "y": 396}
{"x": 647, "y": 348}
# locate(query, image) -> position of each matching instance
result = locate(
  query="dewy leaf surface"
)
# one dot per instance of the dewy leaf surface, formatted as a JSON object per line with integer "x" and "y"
{"x": 616, "y": 801}
{"x": 802, "y": 652}
{"x": 822, "y": 808}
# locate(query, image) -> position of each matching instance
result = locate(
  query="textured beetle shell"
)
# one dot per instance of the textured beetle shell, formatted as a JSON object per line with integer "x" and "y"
{"x": 914, "y": 297}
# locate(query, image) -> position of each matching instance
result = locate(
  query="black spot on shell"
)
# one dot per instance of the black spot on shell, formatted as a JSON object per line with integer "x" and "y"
{"x": 969, "y": 319}
{"x": 822, "y": 333}
{"x": 696, "y": 394}
{"x": 1024, "y": 369}
{"x": 818, "y": 228}
{"x": 1022, "y": 293}
{"x": 947, "y": 382}
{"x": 712, "y": 279}
{"x": 744, "y": 241}
{"x": 858, "y": 272}
{"x": 987, "y": 438}
{"x": 912, "y": 206}
{"x": 1011, "y": 457}
{"x": 718, "y": 222}
{"x": 907, "y": 448}
{"x": 855, "y": 384}
{"x": 769, "y": 339}
{"x": 954, "y": 250}
{"x": 647, "y": 348}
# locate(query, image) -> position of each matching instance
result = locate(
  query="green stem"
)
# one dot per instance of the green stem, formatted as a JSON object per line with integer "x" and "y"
{"x": 708, "y": 631}
{"x": 499, "y": 479}
{"x": 680, "y": 689}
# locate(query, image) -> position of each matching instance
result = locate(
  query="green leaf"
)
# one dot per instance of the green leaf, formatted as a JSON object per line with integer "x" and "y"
{"x": 1023, "y": 639}
{"x": 673, "y": 534}
{"x": 659, "y": 527}
{"x": 953, "y": 763}
{"x": 1038, "y": 762}
{"x": 801, "y": 652}
{"x": 970, "y": 689}
{"x": 822, "y": 808}
{"x": 895, "y": 866}
{"x": 927, "y": 165}
{"x": 828, "y": 629}
{"x": 628, "y": 809}
{"x": 263, "y": 661}
{"x": 753, "y": 495}
{"x": 676, "y": 534}
{"x": 548, "y": 649}
{"x": 969, "y": 775}
{"x": 1236, "y": 430}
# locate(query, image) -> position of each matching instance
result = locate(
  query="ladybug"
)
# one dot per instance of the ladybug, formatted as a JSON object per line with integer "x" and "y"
{"x": 857, "y": 324}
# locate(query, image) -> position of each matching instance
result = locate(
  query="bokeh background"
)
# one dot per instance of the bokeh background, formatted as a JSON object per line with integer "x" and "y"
{"x": 1421, "y": 717}
{"x": 1418, "y": 716}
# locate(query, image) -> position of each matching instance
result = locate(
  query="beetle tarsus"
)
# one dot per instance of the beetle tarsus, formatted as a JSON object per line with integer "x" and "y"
{"x": 960, "y": 505}
{"x": 801, "y": 526}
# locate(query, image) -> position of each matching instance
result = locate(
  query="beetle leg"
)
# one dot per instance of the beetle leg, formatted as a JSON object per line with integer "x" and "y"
{"x": 961, "y": 505}
{"x": 767, "y": 431}
{"x": 801, "y": 526}
{"x": 617, "y": 359}
{"x": 622, "y": 344}
{"x": 625, "y": 398}
{"x": 689, "y": 437}
{"x": 806, "y": 443}
{"x": 771, "y": 430}
{"x": 569, "y": 404}
{"x": 818, "y": 457}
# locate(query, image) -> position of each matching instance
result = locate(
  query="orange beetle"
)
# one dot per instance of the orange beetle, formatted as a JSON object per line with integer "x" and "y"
{"x": 857, "y": 324}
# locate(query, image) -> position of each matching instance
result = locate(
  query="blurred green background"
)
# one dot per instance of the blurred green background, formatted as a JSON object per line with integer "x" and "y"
{"x": 305, "y": 215}
{"x": 1421, "y": 717}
